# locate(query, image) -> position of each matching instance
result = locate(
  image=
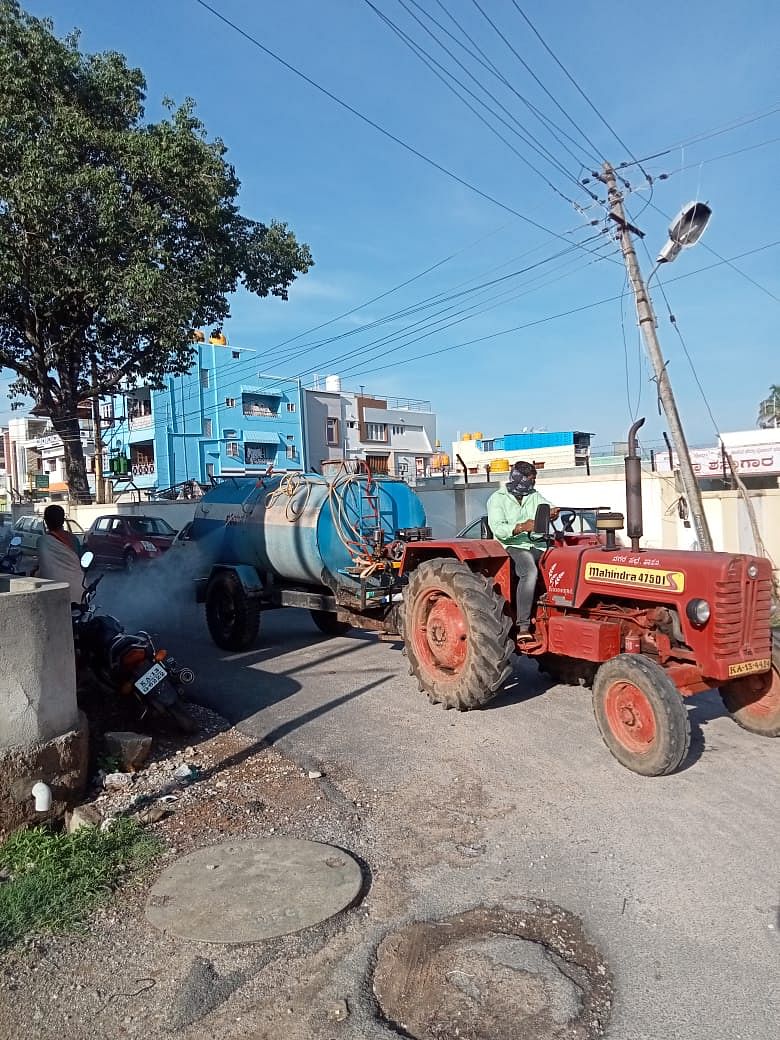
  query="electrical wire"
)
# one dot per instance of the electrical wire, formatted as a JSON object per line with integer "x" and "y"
{"x": 434, "y": 65}
{"x": 707, "y": 135}
{"x": 481, "y": 57}
{"x": 717, "y": 158}
{"x": 504, "y": 332}
{"x": 579, "y": 89}
{"x": 536, "y": 79}
{"x": 372, "y": 123}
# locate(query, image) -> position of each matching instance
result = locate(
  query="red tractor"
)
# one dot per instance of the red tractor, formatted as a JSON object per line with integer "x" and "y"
{"x": 645, "y": 627}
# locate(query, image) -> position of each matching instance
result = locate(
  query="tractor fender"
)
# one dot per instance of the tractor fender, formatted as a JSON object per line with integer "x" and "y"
{"x": 483, "y": 556}
{"x": 251, "y": 582}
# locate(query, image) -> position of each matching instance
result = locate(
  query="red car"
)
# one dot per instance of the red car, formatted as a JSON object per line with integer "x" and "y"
{"x": 122, "y": 541}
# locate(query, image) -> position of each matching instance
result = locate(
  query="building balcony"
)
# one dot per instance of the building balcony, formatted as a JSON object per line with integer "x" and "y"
{"x": 141, "y": 422}
{"x": 143, "y": 474}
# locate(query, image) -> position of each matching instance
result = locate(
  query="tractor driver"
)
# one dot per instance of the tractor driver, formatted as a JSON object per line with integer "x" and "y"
{"x": 511, "y": 511}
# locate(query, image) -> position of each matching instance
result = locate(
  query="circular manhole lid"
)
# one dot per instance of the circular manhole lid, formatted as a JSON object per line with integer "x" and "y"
{"x": 492, "y": 974}
{"x": 246, "y": 891}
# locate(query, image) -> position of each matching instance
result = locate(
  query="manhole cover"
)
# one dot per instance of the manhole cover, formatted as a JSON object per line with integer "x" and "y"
{"x": 494, "y": 975}
{"x": 246, "y": 891}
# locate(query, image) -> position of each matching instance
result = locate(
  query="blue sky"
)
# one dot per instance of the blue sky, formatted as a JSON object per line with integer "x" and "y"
{"x": 374, "y": 215}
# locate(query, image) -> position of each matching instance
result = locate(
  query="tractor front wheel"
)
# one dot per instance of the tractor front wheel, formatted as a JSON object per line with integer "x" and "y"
{"x": 456, "y": 634}
{"x": 641, "y": 715}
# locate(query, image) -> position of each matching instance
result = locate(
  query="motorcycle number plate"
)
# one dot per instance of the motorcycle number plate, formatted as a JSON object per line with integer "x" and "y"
{"x": 150, "y": 679}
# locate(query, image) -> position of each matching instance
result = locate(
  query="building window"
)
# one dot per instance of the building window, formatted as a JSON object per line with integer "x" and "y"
{"x": 291, "y": 406}
{"x": 209, "y": 470}
{"x": 258, "y": 454}
{"x": 232, "y": 449}
{"x": 376, "y": 431}
{"x": 230, "y": 402}
{"x": 290, "y": 451}
{"x": 204, "y": 378}
{"x": 332, "y": 432}
{"x": 260, "y": 405}
{"x": 398, "y": 430}
{"x": 207, "y": 427}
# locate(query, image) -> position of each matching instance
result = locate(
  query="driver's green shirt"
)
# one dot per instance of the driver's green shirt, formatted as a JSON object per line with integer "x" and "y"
{"x": 504, "y": 512}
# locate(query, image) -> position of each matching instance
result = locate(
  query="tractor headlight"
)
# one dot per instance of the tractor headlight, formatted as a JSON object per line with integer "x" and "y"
{"x": 752, "y": 571}
{"x": 698, "y": 611}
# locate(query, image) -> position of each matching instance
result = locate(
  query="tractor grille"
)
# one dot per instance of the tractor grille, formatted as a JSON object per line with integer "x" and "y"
{"x": 742, "y": 612}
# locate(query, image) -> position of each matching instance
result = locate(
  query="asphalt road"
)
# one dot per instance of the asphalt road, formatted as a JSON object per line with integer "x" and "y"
{"x": 675, "y": 879}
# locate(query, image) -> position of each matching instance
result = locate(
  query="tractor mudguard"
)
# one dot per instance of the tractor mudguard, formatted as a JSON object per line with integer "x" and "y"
{"x": 484, "y": 556}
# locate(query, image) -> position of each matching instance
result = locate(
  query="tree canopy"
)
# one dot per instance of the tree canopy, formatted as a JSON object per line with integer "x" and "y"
{"x": 117, "y": 235}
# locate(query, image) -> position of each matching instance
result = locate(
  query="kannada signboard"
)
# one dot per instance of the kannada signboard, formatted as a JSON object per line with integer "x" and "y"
{"x": 749, "y": 461}
{"x": 42, "y": 481}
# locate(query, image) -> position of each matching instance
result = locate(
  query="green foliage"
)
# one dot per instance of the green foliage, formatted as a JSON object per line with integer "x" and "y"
{"x": 57, "y": 879}
{"x": 117, "y": 236}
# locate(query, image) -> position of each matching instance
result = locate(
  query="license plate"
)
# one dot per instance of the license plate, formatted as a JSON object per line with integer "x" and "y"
{"x": 749, "y": 667}
{"x": 150, "y": 679}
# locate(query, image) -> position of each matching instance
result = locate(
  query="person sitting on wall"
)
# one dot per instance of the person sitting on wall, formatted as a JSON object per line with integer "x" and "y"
{"x": 59, "y": 553}
{"x": 511, "y": 511}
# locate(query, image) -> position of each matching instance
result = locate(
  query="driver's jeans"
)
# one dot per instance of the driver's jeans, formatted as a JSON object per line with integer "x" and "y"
{"x": 525, "y": 561}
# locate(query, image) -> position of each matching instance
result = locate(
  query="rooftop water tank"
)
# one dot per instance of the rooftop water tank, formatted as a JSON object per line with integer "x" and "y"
{"x": 333, "y": 384}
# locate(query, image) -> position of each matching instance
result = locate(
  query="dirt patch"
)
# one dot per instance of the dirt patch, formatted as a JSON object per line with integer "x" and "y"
{"x": 491, "y": 974}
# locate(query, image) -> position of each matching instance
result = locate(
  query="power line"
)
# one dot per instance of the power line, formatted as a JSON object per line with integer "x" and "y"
{"x": 717, "y": 158}
{"x": 372, "y": 123}
{"x": 536, "y": 79}
{"x": 576, "y": 85}
{"x": 735, "y": 124}
{"x": 434, "y": 65}
{"x": 491, "y": 336}
{"x": 479, "y": 56}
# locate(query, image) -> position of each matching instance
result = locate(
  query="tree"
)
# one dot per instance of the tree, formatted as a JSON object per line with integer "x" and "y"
{"x": 117, "y": 236}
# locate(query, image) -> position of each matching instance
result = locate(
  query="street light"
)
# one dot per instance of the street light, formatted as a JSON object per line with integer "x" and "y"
{"x": 685, "y": 230}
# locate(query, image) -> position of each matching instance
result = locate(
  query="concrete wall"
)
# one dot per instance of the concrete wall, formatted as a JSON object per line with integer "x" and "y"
{"x": 176, "y": 513}
{"x": 37, "y": 669}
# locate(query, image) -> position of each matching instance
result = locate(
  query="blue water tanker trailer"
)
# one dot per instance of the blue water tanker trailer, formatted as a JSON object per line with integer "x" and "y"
{"x": 331, "y": 545}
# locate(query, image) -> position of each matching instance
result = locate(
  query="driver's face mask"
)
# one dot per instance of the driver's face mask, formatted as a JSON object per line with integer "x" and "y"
{"x": 520, "y": 486}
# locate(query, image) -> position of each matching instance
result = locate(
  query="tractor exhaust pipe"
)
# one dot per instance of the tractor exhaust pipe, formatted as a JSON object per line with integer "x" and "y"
{"x": 634, "y": 488}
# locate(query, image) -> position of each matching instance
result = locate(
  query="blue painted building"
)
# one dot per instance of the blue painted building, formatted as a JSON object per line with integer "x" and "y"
{"x": 225, "y": 416}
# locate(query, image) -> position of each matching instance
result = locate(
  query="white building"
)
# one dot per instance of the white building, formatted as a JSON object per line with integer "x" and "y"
{"x": 35, "y": 460}
{"x": 391, "y": 435}
{"x": 546, "y": 450}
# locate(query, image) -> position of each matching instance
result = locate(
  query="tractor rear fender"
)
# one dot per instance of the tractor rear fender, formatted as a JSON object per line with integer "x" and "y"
{"x": 486, "y": 557}
{"x": 251, "y": 582}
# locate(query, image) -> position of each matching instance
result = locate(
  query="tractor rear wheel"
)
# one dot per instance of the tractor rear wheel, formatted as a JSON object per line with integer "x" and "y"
{"x": 456, "y": 634}
{"x": 754, "y": 702}
{"x": 641, "y": 715}
{"x": 233, "y": 618}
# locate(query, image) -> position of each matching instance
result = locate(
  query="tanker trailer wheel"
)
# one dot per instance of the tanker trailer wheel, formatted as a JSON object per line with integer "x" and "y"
{"x": 641, "y": 715}
{"x": 233, "y": 618}
{"x": 327, "y": 622}
{"x": 456, "y": 635}
{"x": 754, "y": 702}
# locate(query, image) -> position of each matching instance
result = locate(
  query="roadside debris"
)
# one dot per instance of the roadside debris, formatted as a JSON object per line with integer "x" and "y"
{"x": 132, "y": 749}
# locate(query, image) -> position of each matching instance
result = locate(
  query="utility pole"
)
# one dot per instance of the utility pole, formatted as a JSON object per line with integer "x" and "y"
{"x": 100, "y": 491}
{"x": 647, "y": 324}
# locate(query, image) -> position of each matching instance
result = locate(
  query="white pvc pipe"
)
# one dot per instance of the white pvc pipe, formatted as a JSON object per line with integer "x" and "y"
{"x": 42, "y": 794}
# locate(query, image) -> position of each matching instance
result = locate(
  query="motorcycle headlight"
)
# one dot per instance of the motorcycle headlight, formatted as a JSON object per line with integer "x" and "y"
{"x": 149, "y": 546}
{"x": 698, "y": 611}
{"x": 752, "y": 571}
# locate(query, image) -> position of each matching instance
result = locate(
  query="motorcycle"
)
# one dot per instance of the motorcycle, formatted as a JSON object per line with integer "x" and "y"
{"x": 129, "y": 663}
{"x": 9, "y": 561}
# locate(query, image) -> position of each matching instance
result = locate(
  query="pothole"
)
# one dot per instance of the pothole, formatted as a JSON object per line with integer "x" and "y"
{"x": 493, "y": 974}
